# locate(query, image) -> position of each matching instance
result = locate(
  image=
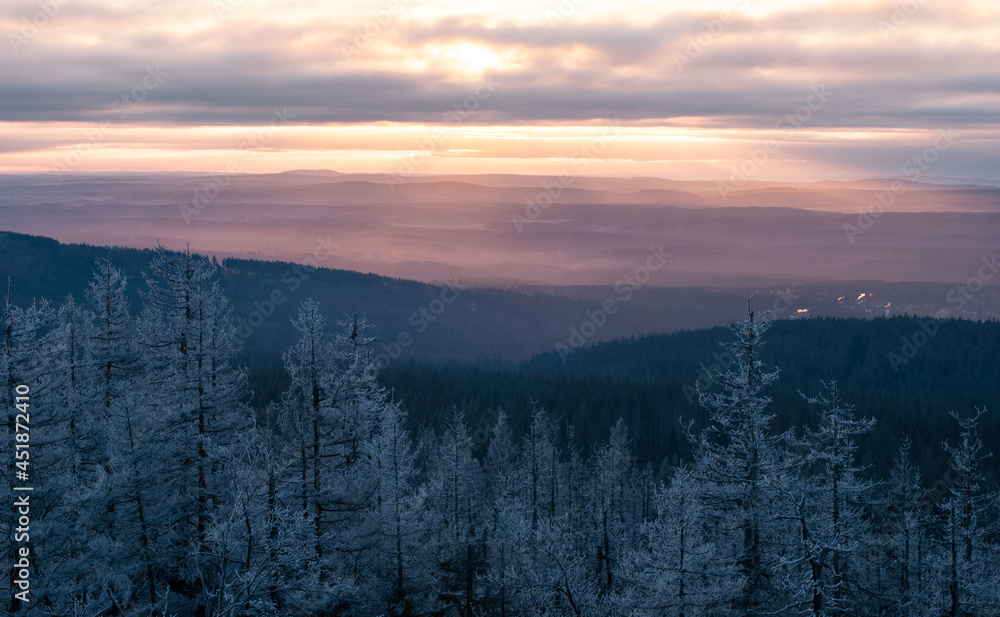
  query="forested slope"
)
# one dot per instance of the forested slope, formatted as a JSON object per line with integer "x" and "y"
{"x": 145, "y": 484}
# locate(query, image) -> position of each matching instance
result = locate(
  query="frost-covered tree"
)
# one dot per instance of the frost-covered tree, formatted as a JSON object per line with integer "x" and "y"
{"x": 192, "y": 346}
{"x": 828, "y": 503}
{"x": 307, "y": 410}
{"x": 395, "y": 573}
{"x": 907, "y": 544}
{"x": 327, "y": 416}
{"x": 74, "y": 335}
{"x": 738, "y": 465}
{"x": 507, "y": 516}
{"x": 73, "y": 438}
{"x": 966, "y": 527}
{"x": 131, "y": 549}
{"x": 114, "y": 343}
{"x": 357, "y": 402}
{"x": 114, "y": 354}
{"x": 264, "y": 567}
{"x": 559, "y": 577}
{"x": 615, "y": 514}
{"x": 358, "y": 393}
{"x": 453, "y": 484}
{"x": 677, "y": 569}
{"x": 541, "y": 457}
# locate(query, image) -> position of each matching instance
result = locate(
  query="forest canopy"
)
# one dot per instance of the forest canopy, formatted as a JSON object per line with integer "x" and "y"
{"x": 158, "y": 490}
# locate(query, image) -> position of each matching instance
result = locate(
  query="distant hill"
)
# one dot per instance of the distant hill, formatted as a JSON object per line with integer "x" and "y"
{"x": 492, "y": 229}
{"x": 511, "y": 322}
{"x": 482, "y": 351}
{"x": 650, "y": 382}
{"x": 465, "y": 323}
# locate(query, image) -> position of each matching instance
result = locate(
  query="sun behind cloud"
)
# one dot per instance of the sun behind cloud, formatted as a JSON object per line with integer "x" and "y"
{"x": 469, "y": 59}
{"x": 341, "y": 71}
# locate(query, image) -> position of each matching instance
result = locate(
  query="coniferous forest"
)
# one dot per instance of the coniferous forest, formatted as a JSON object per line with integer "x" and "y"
{"x": 156, "y": 489}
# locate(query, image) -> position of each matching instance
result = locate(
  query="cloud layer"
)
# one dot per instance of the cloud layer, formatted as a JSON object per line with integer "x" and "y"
{"x": 895, "y": 72}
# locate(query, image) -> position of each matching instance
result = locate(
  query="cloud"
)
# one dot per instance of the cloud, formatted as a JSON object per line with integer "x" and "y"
{"x": 744, "y": 72}
{"x": 666, "y": 66}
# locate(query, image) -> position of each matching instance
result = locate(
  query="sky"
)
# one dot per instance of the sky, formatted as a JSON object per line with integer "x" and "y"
{"x": 770, "y": 90}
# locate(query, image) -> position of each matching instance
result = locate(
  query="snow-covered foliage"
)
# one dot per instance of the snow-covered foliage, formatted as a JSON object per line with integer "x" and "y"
{"x": 159, "y": 492}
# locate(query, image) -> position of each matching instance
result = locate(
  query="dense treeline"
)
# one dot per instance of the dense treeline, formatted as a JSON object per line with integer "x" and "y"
{"x": 157, "y": 490}
{"x": 513, "y": 323}
{"x": 265, "y": 295}
{"x": 651, "y": 382}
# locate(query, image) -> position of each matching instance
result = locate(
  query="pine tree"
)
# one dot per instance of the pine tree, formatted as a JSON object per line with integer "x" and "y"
{"x": 74, "y": 334}
{"x": 966, "y": 530}
{"x": 738, "y": 462}
{"x": 614, "y": 504}
{"x": 358, "y": 393}
{"x": 507, "y": 516}
{"x": 541, "y": 454}
{"x": 905, "y": 533}
{"x": 131, "y": 546}
{"x": 73, "y": 426}
{"x": 327, "y": 416}
{"x": 308, "y": 407}
{"x": 393, "y": 570}
{"x": 828, "y": 502}
{"x": 113, "y": 340}
{"x": 451, "y": 484}
{"x": 264, "y": 567}
{"x": 357, "y": 403}
{"x": 115, "y": 357}
{"x": 193, "y": 345}
{"x": 678, "y": 570}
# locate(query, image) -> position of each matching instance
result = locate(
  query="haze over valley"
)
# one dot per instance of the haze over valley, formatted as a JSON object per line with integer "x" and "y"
{"x": 530, "y": 230}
